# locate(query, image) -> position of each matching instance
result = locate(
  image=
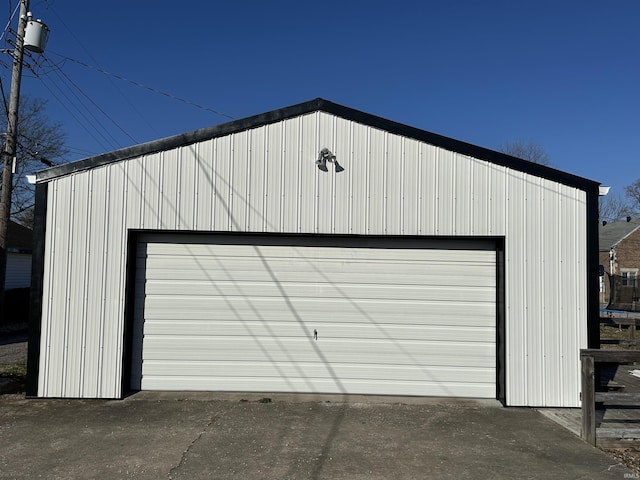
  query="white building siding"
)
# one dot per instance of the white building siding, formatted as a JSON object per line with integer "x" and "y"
{"x": 265, "y": 180}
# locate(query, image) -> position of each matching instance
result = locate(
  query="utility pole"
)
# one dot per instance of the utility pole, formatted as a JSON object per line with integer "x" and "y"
{"x": 9, "y": 150}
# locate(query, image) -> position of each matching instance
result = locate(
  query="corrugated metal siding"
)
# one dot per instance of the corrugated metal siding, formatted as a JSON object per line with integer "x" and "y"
{"x": 265, "y": 180}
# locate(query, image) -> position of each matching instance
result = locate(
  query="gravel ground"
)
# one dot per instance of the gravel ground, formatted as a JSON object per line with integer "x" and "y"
{"x": 13, "y": 358}
{"x": 628, "y": 456}
{"x": 13, "y": 349}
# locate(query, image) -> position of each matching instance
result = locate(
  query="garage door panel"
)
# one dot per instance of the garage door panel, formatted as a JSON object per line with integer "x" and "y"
{"x": 382, "y": 373}
{"x": 362, "y": 387}
{"x": 377, "y": 352}
{"x": 188, "y": 270}
{"x": 245, "y": 247}
{"x": 315, "y": 310}
{"x": 211, "y": 331}
{"x": 258, "y": 291}
{"x": 220, "y": 313}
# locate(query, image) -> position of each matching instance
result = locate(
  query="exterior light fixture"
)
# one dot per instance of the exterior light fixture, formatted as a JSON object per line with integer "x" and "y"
{"x": 325, "y": 156}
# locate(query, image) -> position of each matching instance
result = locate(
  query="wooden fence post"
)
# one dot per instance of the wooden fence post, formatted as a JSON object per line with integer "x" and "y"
{"x": 588, "y": 398}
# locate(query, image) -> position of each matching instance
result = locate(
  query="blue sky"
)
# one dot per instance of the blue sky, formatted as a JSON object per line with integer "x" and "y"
{"x": 564, "y": 74}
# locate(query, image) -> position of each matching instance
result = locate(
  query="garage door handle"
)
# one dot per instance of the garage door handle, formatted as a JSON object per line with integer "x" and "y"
{"x": 315, "y": 334}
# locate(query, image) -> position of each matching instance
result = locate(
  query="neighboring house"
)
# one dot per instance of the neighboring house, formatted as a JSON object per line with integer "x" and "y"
{"x": 242, "y": 257}
{"x": 620, "y": 258}
{"x": 19, "y": 243}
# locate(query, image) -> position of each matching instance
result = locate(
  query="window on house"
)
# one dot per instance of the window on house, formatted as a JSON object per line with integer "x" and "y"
{"x": 629, "y": 278}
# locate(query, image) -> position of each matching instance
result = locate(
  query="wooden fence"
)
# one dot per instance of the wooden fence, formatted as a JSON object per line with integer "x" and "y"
{"x": 590, "y": 358}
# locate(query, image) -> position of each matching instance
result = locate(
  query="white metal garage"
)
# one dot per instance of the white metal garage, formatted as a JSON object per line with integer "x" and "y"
{"x": 499, "y": 308}
{"x": 241, "y": 313}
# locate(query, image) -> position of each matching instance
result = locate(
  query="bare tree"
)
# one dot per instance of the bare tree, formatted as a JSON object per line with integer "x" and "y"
{"x": 633, "y": 193}
{"x": 40, "y": 144}
{"x": 613, "y": 207}
{"x": 530, "y": 151}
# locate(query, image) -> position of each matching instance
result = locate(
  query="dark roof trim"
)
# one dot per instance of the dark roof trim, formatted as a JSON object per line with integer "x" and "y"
{"x": 319, "y": 104}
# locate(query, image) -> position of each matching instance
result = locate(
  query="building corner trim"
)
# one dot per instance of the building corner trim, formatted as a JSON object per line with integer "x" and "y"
{"x": 37, "y": 277}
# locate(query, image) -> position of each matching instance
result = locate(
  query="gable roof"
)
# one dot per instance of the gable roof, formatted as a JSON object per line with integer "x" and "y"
{"x": 319, "y": 104}
{"x": 611, "y": 234}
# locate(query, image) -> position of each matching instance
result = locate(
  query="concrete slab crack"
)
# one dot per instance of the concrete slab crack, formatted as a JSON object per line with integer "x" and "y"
{"x": 183, "y": 459}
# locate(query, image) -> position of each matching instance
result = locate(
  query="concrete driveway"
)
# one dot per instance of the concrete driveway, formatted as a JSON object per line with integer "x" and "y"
{"x": 193, "y": 436}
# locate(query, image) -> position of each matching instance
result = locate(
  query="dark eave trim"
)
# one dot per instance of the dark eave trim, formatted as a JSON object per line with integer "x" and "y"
{"x": 37, "y": 278}
{"x": 180, "y": 140}
{"x": 593, "y": 266}
{"x": 320, "y": 104}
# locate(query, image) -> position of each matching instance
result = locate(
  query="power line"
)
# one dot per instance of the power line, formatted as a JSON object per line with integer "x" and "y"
{"x": 35, "y": 155}
{"x": 146, "y": 87}
{"x": 4, "y": 99}
{"x": 66, "y": 93}
{"x": 94, "y": 103}
{"x": 80, "y": 151}
{"x": 8, "y": 27}
{"x": 73, "y": 99}
{"x": 77, "y": 41}
{"x": 85, "y": 122}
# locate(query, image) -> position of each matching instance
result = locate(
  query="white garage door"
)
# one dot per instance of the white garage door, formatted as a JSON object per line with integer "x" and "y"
{"x": 309, "y": 314}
